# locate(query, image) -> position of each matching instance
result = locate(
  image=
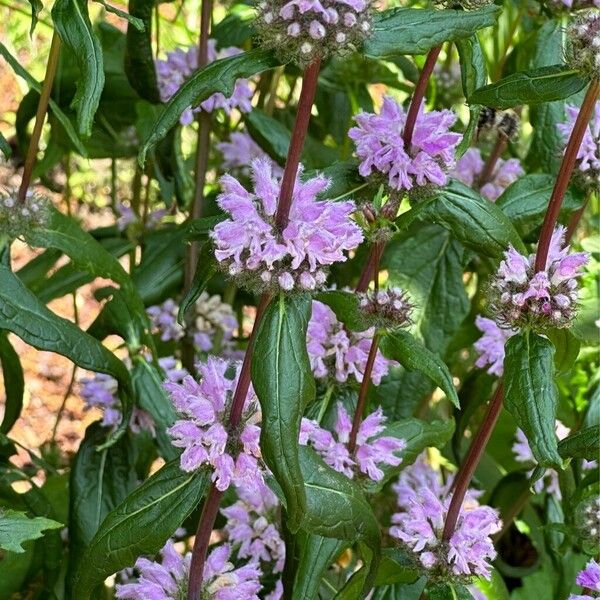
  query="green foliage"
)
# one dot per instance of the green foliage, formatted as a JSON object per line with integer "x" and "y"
{"x": 17, "y": 528}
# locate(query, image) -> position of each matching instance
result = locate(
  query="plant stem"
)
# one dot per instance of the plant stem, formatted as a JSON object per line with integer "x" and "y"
{"x": 565, "y": 172}
{"x": 288, "y": 181}
{"x": 419, "y": 94}
{"x": 465, "y": 473}
{"x": 575, "y": 219}
{"x": 373, "y": 259}
{"x": 202, "y": 152}
{"x": 490, "y": 164}
{"x": 40, "y": 115}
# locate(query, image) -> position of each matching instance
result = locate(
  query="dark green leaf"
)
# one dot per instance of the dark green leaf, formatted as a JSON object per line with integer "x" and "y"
{"x": 346, "y": 307}
{"x": 140, "y": 525}
{"x": 73, "y": 24}
{"x": 5, "y": 147}
{"x": 284, "y": 384}
{"x": 530, "y": 393}
{"x": 139, "y": 57}
{"x": 416, "y": 31}
{"x": 526, "y": 200}
{"x": 14, "y": 384}
{"x": 35, "y": 85}
{"x": 218, "y": 76}
{"x": 36, "y": 7}
{"x": 531, "y": 87}
{"x": 413, "y": 356}
{"x": 447, "y": 591}
{"x": 474, "y": 221}
{"x": 17, "y": 527}
{"x": 131, "y": 19}
{"x": 198, "y": 229}
{"x": 100, "y": 480}
{"x": 336, "y": 508}
{"x": 567, "y": 349}
{"x": 205, "y": 271}
{"x": 583, "y": 444}
{"x": 344, "y": 177}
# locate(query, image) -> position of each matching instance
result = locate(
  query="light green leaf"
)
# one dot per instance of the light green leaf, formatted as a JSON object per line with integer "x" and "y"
{"x": 582, "y": 444}
{"x": 16, "y": 528}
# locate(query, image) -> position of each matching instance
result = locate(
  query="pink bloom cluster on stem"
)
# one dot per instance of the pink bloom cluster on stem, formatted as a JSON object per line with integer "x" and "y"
{"x": 337, "y": 352}
{"x": 589, "y": 579}
{"x": 381, "y": 150}
{"x": 202, "y": 430}
{"x": 181, "y": 64}
{"x": 372, "y": 449}
{"x": 523, "y": 298}
{"x": 423, "y": 501}
{"x": 469, "y": 168}
{"x": 248, "y": 245}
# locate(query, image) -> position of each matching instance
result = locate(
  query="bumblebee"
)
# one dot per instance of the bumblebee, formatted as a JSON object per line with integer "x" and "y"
{"x": 505, "y": 122}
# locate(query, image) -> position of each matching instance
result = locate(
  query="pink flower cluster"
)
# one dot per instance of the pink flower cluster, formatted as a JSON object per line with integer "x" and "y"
{"x": 469, "y": 168}
{"x": 424, "y": 502}
{"x": 240, "y": 152}
{"x": 201, "y": 432}
{"x": 182, "y": 64}
{"x": 523, "y": 298}
{"x": 168, "y": 579}
{"x": 336, "y": 352}
{"x": 128, "y": 217}
{"x": 589, "y": 579}
{"x": 380, "y": 147}
{"x": 490, "y": 345}
{"x": 250, "y": 247}
{"x": 389, "y": 307}
{"x": 372, "y": 449}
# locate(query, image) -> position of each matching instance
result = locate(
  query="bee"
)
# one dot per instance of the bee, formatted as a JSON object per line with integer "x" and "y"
{"x": 505, "y": 122}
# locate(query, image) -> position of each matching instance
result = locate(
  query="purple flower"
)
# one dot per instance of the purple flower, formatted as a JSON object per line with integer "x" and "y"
{"x": 248, "y": 244}
{"x": 389, "y": 307}
{"x": 240, "y": 152}
{"x": 204, "y": 407}
{"x": 181, "y": 64}
{"x": 523, "y": 454}
{"x": 589, "y": 578}
{"x": 380, "y": 147}
{"x": 424, "y": 504}
{"x": 128, "y": 217}
{"x": 372, "y": 449}
{"x": 336, "y": 352}
{"x": 100, "y": 391}
{"x": 168, "y": 579}
{"x": 164, "y": 320}
{"x": 469, "y": 167}
{"x": 490, "y": 345}
{"x": 172, "y": 368}
{"x": 521, "y": 297}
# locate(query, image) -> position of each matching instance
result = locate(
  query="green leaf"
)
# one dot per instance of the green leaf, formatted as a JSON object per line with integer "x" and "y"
{"x": 283, "y": 381}
{"x": 567, "y": 349}
{"x": 218, "y": 76}
{"x": 198, "y": 229}
{"x": 418, "y": 436}
{"x": 131, "y": 19}
{"x": 100, "y": 480}
{"x": 583, "y": 444}
{"x": 36, "y": 7}
{"x": 525, "y": 201}
{"x": 530, "y": 393}
{"x": 346, "y": 307}
{"x": 416, "y": 31}
{"x": 337, "y": 508}
{"x": 474, "y": 221}
{"x": 530, "y": 87}
{"x": 35, "y": 85}
{"x": 16, "y": 528}
{"x": 14, "y": 383}
{"x": 5, "y": 147}
{"x": 140, "y": 525}
{"x": 448, "y": 591}
{"x": 139, "y": 57}
{"x": 413, "y": 356}
{"x": 473, "y": 70}
{"x": 73, "y": 24}
{"x": 205, "y": 271}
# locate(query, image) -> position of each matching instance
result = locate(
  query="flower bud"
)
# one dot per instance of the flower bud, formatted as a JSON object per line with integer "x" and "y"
{"x": 584, "y": 43}
{"x": 16, "y": 217}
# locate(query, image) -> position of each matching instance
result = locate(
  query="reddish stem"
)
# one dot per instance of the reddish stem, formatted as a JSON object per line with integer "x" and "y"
{"x": 564, "y": 174}
{"x": 465, "y": 473}
{"x": 574, "y": 220}
{"x": 307, "y": 96}
{"x": 418, "y": 95}
{"x": 372, "y": 261}
{"x": 490, "y": 165}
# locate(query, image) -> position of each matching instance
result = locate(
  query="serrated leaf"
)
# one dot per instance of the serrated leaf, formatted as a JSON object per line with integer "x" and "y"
{"x": 336, "y": 508}
{"x": 582, "y": 444}
{"x": 346, "y": 307}
{"x": 416, "y": 31}
{"x": 16, "y": 528}
{"x": 205, "y": 271}
{"x": 218, "y": 76}
{"x": 140, "y": 525}
{"x": 14, "y": 383}
{"x": 474, "y": 221}
{"x": 530, "y": 87}
{"x": 35, "y": 85}
{"x": 73, "y": 24}
{"x": 418, "y": 436}
{"x": 525, "y": 201}
{"x": 413, "y": 356}
{"x": 283, "y": 381}
{"x": 530, "y": 393}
